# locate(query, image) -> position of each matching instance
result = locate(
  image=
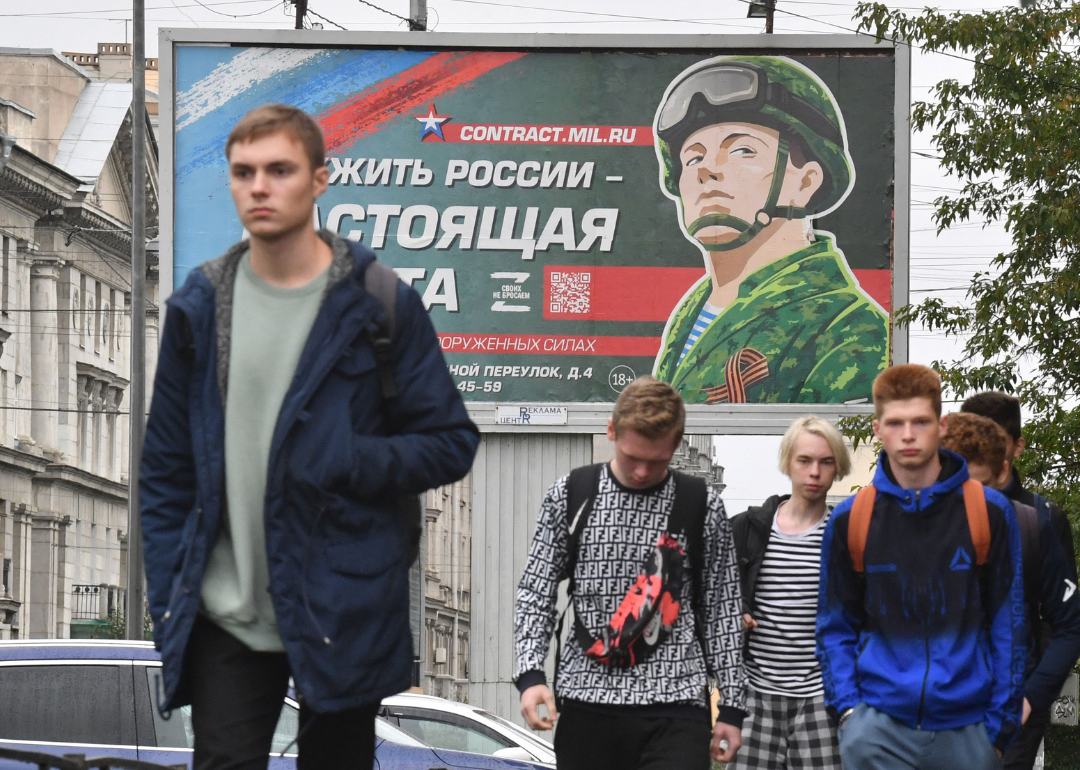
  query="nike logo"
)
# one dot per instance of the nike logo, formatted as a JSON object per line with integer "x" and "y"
{"x": 1070, "y": 589}
{"x": 573, "y": 524}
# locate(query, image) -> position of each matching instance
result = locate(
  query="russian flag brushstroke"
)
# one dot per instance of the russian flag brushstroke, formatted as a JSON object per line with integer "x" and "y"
{"x": 439, "y": 75}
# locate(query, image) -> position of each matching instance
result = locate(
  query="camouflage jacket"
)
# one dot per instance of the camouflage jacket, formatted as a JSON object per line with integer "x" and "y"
{"x": 801, "y": 330}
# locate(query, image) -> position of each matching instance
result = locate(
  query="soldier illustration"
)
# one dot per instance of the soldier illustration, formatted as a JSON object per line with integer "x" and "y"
{"x": 752, "y": 149}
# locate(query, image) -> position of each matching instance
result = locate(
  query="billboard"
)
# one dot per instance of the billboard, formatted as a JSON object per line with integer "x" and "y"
{"x": 716, "y": 213}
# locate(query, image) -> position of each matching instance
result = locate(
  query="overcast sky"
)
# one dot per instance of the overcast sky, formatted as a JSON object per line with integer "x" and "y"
{"x": 939, "y": 263}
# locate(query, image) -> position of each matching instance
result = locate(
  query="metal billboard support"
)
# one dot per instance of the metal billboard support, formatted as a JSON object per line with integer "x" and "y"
{"x": 133, "y": 610}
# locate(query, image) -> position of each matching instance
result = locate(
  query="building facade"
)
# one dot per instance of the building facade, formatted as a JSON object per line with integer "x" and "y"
{"x": 65, "y": 278}
{"x": 447, "y": 590}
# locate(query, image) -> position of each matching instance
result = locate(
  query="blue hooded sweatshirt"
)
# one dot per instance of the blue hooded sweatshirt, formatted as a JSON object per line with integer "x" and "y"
{"x": 925, "y": 635}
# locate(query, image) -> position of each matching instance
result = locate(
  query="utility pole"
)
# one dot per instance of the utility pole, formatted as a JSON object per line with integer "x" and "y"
{"x": 301, "y": 12}
{"x": 418, "y": 15}
{"x": 770, "y": 9}
{"x": 134, "y": 610}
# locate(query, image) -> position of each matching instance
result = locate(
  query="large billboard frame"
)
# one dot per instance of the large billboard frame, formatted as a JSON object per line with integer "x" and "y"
{"x": 728, "y": 419}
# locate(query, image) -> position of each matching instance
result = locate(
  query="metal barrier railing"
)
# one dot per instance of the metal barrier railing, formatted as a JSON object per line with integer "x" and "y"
{"x": 45, "y": 761}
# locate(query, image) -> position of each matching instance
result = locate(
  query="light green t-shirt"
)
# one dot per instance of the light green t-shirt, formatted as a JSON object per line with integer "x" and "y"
{"x": 269, "y": 328}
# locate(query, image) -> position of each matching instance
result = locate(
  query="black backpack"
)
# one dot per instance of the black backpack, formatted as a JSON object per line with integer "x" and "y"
{"x": 382, "y": 283}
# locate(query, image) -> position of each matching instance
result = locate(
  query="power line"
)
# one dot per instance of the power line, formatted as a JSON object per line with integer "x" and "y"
{"x": 328, "y": 21}
{"x": 239, "y": 15}
{"x": 586, "y": 13}
{"x": 379, "y": 8}
{"x": 122, "y": 10}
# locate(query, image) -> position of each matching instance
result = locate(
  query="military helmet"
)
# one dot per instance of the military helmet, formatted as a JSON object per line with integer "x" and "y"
{"x": 762, "y": 90}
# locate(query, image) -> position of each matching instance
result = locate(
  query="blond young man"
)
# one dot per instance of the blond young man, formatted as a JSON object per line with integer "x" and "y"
{"x": 920, "y": 643}
{"x": 1053, "y": 607}
{"x": 275, "y": 465}
{"x": 649, "y": 711}
{"x": 779, "y": 550}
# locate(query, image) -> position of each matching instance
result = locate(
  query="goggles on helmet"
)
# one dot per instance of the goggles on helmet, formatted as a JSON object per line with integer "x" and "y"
{"x": 737, "y": 86}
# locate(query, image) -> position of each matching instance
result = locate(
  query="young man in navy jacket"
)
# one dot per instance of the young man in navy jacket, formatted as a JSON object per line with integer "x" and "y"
{"x": 275, "y": 464}
{"x": 1053, "y": 607}
{"x": 922, "y": 652}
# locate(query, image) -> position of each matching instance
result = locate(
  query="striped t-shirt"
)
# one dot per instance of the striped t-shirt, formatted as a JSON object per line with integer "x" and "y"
{"x": 707, "y": 315}
{"x": 781, "y": 657}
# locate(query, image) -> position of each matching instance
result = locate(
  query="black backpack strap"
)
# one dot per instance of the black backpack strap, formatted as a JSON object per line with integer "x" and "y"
{"x": 582, "y": 486}
{"x": 382, "y": 283}
{"x": 688, "y": 514}
{"x": 581, "y": 489}
{"x": 1031, "y": 547}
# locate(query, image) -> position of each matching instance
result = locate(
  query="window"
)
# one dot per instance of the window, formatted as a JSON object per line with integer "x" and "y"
{"x": 176, "y": 732}
{"x": 454, "y": 737}
{"x": 7, "y": 246}
{"x": 61, "y": 704}
{"x": 106, "y": 323}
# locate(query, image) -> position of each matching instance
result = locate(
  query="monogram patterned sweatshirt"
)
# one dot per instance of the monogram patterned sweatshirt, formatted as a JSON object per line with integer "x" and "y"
{"x": 624, "y": 525}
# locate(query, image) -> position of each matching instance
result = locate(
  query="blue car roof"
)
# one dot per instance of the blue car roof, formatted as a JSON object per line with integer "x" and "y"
{"x": 77, "y": 649}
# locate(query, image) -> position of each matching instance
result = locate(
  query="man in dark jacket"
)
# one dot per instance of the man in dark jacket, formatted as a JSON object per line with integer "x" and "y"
{"x": 1053, "y": 607}
{"x": 779, "y": 550}
{"x": 1005, "y": 411}
{"x": 921, "y": 642}
{"x": 274, "y": 467}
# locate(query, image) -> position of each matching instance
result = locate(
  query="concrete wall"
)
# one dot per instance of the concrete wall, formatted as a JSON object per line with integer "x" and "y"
{"x": 510, "y": 476}
{"x": 48, "y": 85}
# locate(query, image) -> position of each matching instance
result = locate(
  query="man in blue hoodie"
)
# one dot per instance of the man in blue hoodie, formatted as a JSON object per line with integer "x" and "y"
{"x": 923, "y": 649}
{"x": 278, "y": 467}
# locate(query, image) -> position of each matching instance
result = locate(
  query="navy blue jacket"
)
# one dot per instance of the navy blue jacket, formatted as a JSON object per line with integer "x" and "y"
{"x": 925, "y": 635}
{"x": 1053, "y": 616}
{"x": 338, "y": 460}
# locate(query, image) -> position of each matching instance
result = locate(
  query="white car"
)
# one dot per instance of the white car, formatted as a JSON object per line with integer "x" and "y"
{"x": 445, "y": 724}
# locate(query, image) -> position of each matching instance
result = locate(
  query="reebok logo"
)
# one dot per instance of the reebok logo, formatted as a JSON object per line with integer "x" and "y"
{"x": 1070, "y": 589}
{"x": 960, "y": 560}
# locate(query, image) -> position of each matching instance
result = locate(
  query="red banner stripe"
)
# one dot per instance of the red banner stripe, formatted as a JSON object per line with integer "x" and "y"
{"x": 436, "y": 76}
{"x": 512, "y": 133}
{"x": 615, "y": 293}
{"x": 612, "y": 293}
{"x": 878, "y": 284}
{"x": 549, "y": 344}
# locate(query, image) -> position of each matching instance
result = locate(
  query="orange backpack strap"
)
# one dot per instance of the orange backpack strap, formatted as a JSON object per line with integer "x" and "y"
{"x": 859, "y": 525}
{"x": 978, "y": 519}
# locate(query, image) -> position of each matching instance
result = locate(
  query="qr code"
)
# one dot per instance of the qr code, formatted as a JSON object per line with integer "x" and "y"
{"x": 570, "y": 292}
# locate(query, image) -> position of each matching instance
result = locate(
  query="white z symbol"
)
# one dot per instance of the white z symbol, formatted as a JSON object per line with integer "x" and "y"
{"x": 1070, "y": 589}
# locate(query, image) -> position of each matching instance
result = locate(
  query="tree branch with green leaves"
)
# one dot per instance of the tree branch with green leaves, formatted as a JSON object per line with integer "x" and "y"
{"x": 1011, "y": 137}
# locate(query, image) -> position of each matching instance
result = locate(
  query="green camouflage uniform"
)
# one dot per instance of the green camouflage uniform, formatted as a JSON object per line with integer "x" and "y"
{"x": 801, "y": 330}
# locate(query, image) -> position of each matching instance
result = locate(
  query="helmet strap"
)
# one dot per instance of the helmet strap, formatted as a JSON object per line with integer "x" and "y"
{"x": 749, "y": 230}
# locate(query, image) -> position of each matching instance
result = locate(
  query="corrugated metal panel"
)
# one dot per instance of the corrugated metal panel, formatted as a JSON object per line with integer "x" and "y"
{"x": 510, "y": 476}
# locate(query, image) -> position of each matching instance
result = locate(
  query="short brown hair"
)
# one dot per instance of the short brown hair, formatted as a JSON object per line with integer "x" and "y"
{"x": 281, "y": 118}
{"x": 904, "y": 381}
{"x": 977, "y": 439}
{"x": 999, "y": 407}
{"x": 651, "y": 408}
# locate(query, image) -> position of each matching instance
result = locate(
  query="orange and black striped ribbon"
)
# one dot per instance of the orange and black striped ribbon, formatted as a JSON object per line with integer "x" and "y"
{"x": 740, "y": 372}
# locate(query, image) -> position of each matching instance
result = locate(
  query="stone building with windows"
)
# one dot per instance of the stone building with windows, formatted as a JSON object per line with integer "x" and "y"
{"x": 447, "y": 587}
{"x": 65, "y": 277}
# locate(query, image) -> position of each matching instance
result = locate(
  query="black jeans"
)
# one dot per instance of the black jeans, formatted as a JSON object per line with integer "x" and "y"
{"x": 237, "y": 695}
{"x": 620, "y": 740}
{"x": 1025, "y": 747}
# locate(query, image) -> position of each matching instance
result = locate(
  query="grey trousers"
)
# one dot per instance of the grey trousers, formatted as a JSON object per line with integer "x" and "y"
{"x": 873, "y": 740}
